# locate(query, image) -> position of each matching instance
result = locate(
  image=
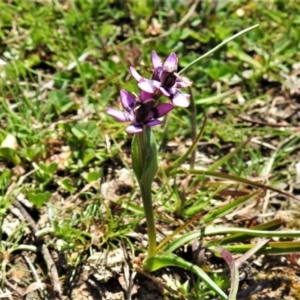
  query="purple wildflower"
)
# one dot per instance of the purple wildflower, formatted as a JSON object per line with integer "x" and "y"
{"x": 139, "y": 111}
{"x": 165, "y": 79}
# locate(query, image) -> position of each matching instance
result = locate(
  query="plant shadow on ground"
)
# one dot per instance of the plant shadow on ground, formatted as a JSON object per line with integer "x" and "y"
{"x": 68, "y": 197}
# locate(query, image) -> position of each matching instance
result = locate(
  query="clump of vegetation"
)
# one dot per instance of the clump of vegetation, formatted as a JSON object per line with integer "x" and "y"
{"x": 223, "y": 197}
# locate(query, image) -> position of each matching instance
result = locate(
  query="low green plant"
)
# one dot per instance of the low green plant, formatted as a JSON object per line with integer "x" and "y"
{"x": 143, "y": 112}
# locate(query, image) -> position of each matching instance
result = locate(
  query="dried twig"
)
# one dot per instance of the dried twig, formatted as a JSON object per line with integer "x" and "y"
{"x": 246, "y": 119}
{"x": 7, "y": 283}
{"x": 38, "y": 285}
{"x": 44, "y": 250}
{"x": 261, "y": 243}
{"x": 128, "y": 276}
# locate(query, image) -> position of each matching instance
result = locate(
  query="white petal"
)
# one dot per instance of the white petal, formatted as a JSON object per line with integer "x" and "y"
{"x": 149, "y": 86}
{"x": 171, "y": 63}
{"x": 156, "y": 61}
{"x": 180, "y": 100}
{"x": 134, "y": 128}
{"x": 120, "y": 115}
{"x": 135, "y": 74}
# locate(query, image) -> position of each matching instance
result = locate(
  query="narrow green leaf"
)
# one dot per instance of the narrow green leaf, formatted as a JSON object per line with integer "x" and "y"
{"x": 217, "y": 47}
{"x": 177, "y": 230}
{"x": 136, "y": 163}
{"x": 237, "y": 179}
{"x": 184, "y": 239}
{"x": 193, "y": 147}
{"x": 138, "y": 210}
{"x": 215, "y": 98}
{"x": 150, "y": 163}
{"x": 242, "y": 56}
{"x": 272, "y": 225}
{"x": 217, "y": 213}
{"x": 295, "y": 246}
{"x": 275, "y": 248}
{"x": 210, "y": 231}
{"x": 225, "y": 158}
{"x": 171, "y": 260}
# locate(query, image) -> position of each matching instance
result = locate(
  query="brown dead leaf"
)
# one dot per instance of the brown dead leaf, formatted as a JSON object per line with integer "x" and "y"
{"x": 34, "y": 286}
{"x": 17, "y": 275}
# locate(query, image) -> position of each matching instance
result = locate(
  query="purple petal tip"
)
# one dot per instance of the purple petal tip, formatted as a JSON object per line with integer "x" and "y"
{"x": 135, "y": 74}
{"x": 156, "y": 62}
{"x": 149, "y": 86}
{"x": 171, "y": 62}
{"x": 162, "y": 109}
{"x": 119, "y": 115}
{"x": 153, "y": 123}
{"x": 127, "y": 100}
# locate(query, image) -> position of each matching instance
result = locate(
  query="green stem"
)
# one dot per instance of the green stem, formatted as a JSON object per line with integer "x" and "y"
{"x": 151, "y": 230}
{"x": 143, "y": 142}
{"x": 217, "y": 47}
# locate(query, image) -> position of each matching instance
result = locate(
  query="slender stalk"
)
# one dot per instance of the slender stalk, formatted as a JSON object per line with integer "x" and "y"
{"x": 193, "y": 110}
{"x": 217, "y": 47}
{"x": 143, "y": 144}
{"x": 151, "y": 230}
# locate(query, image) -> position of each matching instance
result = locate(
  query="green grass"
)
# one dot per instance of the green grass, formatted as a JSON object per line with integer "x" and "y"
{"x": 68, "y": 60}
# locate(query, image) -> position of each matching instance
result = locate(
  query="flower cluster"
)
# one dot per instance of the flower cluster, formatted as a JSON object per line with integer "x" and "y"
{"x": 143, "y": 110}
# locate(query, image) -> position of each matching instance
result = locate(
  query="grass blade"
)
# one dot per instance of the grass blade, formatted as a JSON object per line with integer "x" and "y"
{"x": 272, "y": 225}
{"x": 217, "y": 47}
{"x": 172, "y": 260}
{"x": 240, "y": 180}
{"x": 225, "y": 158}
{"x": 227, "y": 208}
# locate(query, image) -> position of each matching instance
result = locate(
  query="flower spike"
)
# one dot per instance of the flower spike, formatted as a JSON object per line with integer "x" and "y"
{"x": 164, "y": 80}
{"x": 139, "y": 111}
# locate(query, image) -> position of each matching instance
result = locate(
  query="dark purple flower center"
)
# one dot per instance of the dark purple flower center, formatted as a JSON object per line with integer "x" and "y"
{"x": 166, "y": 76}
{"x": 142, "y": 110}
